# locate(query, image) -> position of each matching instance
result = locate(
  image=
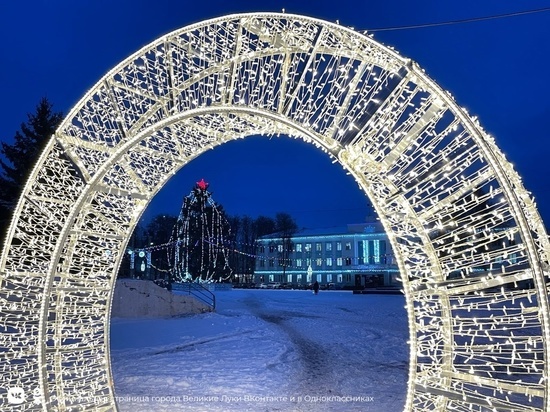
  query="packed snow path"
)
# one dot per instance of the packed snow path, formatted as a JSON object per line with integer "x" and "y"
{"x": 267, "y": 350}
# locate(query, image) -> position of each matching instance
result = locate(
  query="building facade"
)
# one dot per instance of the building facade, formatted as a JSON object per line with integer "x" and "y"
{"x": 352, "y": 257}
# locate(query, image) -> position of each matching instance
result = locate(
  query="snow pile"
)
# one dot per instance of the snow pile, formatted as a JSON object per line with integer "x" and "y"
{"x": 267, "y": 350}
{"x": 143, "y": 298}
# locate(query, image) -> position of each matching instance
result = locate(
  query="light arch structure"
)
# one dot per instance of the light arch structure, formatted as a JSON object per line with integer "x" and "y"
{"x": 469, "y": 241}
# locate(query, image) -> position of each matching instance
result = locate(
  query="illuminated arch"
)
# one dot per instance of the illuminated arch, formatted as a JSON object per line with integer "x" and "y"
{"x": 469, "y": 241}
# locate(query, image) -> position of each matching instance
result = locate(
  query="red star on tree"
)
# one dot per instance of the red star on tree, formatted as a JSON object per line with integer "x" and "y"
{"x": 202, "y": 184}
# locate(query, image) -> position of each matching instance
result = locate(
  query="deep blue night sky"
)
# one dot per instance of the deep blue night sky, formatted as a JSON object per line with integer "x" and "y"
{"x": 497, "y": 69}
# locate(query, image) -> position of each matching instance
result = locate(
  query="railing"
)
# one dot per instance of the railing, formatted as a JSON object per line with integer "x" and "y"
{"x": 198, "y": 291}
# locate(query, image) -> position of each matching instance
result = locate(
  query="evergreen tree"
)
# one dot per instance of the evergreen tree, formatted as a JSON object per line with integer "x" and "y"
{"x": 199, "y": 237}
{"x": 18, "y": 159}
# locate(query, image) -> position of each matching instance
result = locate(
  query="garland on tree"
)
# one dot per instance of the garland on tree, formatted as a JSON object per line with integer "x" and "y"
{"x": 198, "y": 252}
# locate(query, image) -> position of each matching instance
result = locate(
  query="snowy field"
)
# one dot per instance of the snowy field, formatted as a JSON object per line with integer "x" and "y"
{"x": 267, "y": 350}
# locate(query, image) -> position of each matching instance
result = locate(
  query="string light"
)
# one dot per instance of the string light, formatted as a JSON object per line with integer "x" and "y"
{"x": 461, "y": 21}
{"x": 196, "y": 258}
{"x": 471, "y": 248}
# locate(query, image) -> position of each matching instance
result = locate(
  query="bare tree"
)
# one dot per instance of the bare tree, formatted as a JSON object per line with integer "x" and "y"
{"x": 286, "y": 226}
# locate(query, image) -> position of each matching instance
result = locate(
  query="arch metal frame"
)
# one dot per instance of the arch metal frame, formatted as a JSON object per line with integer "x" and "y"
{"x": 470, "y": 244}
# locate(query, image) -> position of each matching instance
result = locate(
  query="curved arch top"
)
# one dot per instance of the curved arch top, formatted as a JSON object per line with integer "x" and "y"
{"x": 471, "y": 247}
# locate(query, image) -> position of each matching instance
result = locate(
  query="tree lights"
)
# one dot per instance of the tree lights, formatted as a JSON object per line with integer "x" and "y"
{"x": 196, "y": 251}
{"x": 471, "y": 248}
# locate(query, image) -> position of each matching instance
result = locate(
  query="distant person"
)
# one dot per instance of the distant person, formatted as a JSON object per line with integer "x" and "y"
{"x": 316, "y": 287}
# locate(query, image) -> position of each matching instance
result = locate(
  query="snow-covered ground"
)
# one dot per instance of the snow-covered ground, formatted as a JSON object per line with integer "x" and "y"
{"x": 267, "y": 350}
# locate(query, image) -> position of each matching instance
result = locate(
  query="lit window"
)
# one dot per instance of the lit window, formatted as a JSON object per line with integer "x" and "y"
{"x": 328, "y": 246}
{"x": 298, "y": 263}
{"x": 298, "y": 247}
{"x": 318, "y": 247}
{"x": 319, "y": 262}
{"x": 279, "y": 248}
{"x": 308, "y": 247}
{"x": 339, "y": 261}
{"x": 340, "y": 280}
{"x": 329, "y": 261}
{"x": 329, "y": 278}
{"x": 338, "y": 245}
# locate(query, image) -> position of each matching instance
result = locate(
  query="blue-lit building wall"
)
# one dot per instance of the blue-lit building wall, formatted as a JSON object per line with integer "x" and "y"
{"x": 355, "y": 256}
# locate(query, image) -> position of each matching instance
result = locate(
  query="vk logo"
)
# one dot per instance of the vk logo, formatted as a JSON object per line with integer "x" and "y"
{"x": 16, "y": 395}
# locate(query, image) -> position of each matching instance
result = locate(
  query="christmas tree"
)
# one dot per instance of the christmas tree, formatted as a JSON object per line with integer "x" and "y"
{"x": 198, "y": 252}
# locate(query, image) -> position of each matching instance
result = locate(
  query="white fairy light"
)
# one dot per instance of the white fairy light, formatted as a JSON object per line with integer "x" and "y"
{"x": 468, "y": 239}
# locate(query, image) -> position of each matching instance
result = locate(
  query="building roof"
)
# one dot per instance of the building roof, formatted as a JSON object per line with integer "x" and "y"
{"x": 352, "y": 228}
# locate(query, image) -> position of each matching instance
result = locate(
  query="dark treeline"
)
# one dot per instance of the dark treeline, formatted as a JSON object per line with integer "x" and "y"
{"x": 244, "y": 233}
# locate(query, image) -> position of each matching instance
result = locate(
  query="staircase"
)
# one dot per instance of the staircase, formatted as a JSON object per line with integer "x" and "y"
{"x": 198, "y": 291}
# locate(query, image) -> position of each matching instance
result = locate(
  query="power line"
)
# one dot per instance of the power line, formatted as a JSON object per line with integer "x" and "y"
{"x": 461, "y": 21}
